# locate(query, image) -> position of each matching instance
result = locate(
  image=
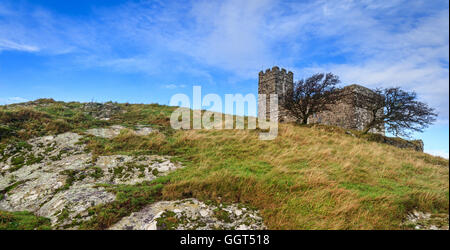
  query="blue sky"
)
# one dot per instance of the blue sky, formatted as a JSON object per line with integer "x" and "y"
{"x": 146, "y": 51}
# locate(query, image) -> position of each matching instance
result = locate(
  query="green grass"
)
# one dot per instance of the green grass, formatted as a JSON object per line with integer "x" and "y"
{"x": 18, "y": 160}
{"x": 10, "y": 187}
{"x": 168, "y": 221}
{"x": 23, "y": 221}
{"x": 129, "y": 198}
{"x": 222, "y": 215}
{"x": 24, "y": 122}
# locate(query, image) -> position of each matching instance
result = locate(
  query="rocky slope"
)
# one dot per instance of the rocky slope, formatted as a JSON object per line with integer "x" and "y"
{"x": 54, "y": 177}
{"x": 121, "y": 166}
{"x": 189, "y": 214}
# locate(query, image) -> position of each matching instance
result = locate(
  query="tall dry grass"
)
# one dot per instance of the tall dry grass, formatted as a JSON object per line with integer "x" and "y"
{"x": 310, "y": 177}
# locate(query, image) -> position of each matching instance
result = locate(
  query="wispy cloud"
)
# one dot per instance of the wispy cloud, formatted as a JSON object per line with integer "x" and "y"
{"x": 34, "y": 29}
{"x": 410, "y": 55}
{"x": 173, "y": 86}
{"x": 441, "y": 153}
{"x": 374, "y": 43}
{"x": 11, "y": 100}
{"x": 9, "y": 45}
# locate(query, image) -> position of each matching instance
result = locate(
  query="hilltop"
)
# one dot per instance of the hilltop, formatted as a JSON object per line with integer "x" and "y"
{"x": 99, "y": 166}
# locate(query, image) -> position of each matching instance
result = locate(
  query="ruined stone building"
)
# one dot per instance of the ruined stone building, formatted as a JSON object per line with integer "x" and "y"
{"x": 342, "y": 114}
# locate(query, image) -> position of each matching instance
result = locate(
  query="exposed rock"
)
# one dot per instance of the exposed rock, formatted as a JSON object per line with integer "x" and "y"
{"x": 57, "y": 179}
{"x": 121, "y": 169}
{"x": 108, "y": 133}
{"x": 191, "y": 214}
{"x": 40, "y": 150}
{"x": 102, "y": 111}
{"x": 114, "y": 131}
{"x": 62, "y": 184}
{"x": 393, "y": 141}
{"x": 426, "y": 221}
{"x": 72, "y": 204}
{"x": 402, "y": 143}
{"x": 143, "y": 130}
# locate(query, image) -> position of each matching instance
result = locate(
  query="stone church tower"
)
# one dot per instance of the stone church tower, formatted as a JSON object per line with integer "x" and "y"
{"x": 342, "y": 114}
{"x": 275, "y": 81}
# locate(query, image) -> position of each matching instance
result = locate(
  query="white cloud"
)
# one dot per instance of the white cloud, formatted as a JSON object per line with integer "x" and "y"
{"x": 441, "y": 153}
{"x": 383, "y": 50}
{"x": 173, "y": 86}
{"x": 374, "y": 43}
{"x": 227, "y": 34}
{"x": 9, "y": 45}
{"x": 11, "y": 100}
{"x": 33, "y": 29}
{"x": 170, "y": 86}
{"x": 428, "y": 79}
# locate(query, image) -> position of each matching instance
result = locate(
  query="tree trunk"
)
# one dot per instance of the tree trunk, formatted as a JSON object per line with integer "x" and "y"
{"x": 366, "y": 130}
{"x": 305, "y": 120}
{"x": 372, "y": 123}
{"x": 368, "y": 127}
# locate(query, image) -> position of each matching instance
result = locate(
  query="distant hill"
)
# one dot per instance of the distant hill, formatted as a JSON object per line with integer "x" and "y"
{"x": 87, "y": 165}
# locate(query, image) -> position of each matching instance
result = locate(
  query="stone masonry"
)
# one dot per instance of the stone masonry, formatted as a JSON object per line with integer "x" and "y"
{"x": 275, "y": 81}
{"x": 343, "y": 114}
{"x": 346, "y": 115}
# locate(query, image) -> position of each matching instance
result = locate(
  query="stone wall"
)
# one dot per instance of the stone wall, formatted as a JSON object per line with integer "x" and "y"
{"x": 343, "y": 114}
{"x": 275, "y": 81}
{"x": 394, "y": 141}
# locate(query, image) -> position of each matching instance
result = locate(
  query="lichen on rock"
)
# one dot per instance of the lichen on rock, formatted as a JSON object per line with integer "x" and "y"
{"x": 426, "y": 221}
{"x": 63, "y": 184}
{"x": 115, "y": 130}
{"x": 102, "y": 111}
{"x": 191, "y": 214}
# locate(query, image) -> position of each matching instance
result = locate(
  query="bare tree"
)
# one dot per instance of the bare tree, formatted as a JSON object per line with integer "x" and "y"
{"x": 313, "y": 95}
{"x": 397, "y": 110}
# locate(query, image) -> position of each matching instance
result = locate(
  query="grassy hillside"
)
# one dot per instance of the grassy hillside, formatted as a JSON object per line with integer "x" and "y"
{"x": 309, "y": 177}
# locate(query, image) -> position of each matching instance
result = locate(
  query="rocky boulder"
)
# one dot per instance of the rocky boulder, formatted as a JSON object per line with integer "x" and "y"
{"x": 189, "y": 214}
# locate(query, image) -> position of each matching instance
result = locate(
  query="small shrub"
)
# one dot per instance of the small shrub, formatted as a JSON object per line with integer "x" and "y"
{"x": 5, "y": 131}
{"x": 129, "y": 198}
{"x": 97, "y": 173}
{"x": 58, "y": 126}
{"x": 167, "y": 221}
{"x": 222, "y": 215}
{"x": 18, "y": 160}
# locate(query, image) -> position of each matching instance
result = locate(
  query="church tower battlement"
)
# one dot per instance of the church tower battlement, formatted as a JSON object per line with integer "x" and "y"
{"x": 275, "y": 81}
{"x": 342, "y": 114}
